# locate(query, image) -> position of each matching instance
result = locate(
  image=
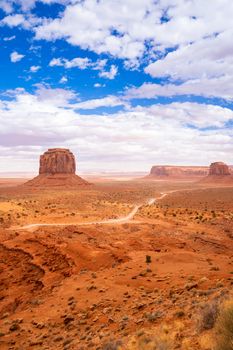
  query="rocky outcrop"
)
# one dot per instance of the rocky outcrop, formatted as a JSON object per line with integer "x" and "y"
{"x": 57, "y": 161}
{"x": 57, "y": 169}
{"x": 219, "y": 169}
{"x": 219, "y": 174}
{"x": 167, "y": 171}
{"x": 159, "y": 171}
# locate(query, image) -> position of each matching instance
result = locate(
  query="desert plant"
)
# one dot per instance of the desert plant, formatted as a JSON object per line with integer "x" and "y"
{"x": 112, "y": 345}
{"x": 208, "y": 316}
{"x": 224, "y": 328}
{"x": 160, "y": 341}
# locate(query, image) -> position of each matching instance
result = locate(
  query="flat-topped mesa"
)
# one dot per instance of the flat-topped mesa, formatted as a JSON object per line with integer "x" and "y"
{"x": 159, "y": 171}
{"x": 57, "y": 161}
{"x": 219, "y": 169}
{"x": 164, "y": 171}
{"x": 57, "y": 169}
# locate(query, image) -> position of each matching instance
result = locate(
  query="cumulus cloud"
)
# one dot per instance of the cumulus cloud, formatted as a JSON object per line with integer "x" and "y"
{"x": 54, "y": 97}
{"x": 193, "y": 114}
{"x": 6, "y": 6}
{"x": 26, "y": 21}
{"x": 77, "y": 62}
{"x": 9, "y": 38}
{"x": 127, "y": 26}
{"x": 63, "y": 80}
{"x": 16, "y": 57}
{"x": 199, "y": 41}
{"x": 13, "y": 20}
{"x": 109, "y": 101}
{"x": 26, "y": 5}
{"x": 117, "y": 32}
{"x": 98, "y": 85}
{"x": 215, "y": 87}
{"x": 34, "y": 69}
{"x": 128, "y": 140}
{"x": 84, "y": 63}
{"x": 204, "y": 67}
{"x": 181, "y": 40}
{"x": 109, "y": 74}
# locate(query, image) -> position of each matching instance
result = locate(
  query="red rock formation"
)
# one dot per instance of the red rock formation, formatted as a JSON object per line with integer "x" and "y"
{"x": 57, "y": 168}
{"x": 219, "y": 169}
{"x": 219, "y": 174}
{"x": 57, "y": 161}
{"x": 167, "y": 171}
{"x": 159, "y": 171}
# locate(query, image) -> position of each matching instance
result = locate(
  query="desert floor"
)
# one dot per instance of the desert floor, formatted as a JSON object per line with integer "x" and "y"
{"x": 94, "y": 274}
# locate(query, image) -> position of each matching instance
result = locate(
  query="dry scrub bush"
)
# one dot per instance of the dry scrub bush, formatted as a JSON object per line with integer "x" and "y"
{"x": 162, "y": 339}
{"x": 207, "y": 316}
{"x": 113, "y": 345}
{"x": 160, "y": 342}
{"x": 224, "y": 328}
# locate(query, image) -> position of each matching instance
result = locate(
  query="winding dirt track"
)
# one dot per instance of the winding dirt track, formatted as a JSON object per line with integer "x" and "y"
{"x": 120, "y": 220}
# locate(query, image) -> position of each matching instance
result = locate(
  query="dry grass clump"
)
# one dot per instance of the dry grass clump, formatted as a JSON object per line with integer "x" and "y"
{"x": 161, "y": 339}
{"x": 224, "y": 328}
{"x": 113, "y": 345}
{"x": 207, "y": 316}
{"x": 160, "y": 342}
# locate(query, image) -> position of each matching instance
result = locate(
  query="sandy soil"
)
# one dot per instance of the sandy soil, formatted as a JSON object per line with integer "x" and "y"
{"x": 82, "y": 286}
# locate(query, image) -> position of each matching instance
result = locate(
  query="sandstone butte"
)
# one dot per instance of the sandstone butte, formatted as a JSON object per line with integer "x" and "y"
{"x": 219, "y": 169}
{"x": 57, "y": 168}
{"x": 219, "y": 173}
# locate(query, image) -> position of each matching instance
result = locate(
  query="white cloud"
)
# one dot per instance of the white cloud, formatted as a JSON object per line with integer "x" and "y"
{"x": 26, "y": 5}
{"x": 203, "y": 68}
{"x": 98, "y": 85}
{"x": 16, "y": 57}
{"x": 137, "y": 32}
{"x": 77, "y": 62}
{"x": 127, "y": 26}
{"x": 81, "y": 25}
{"x": 190, "y": 113}
{"x": 54, "y": 97}
{"x": 13, "y": 20}
{"x": 109, "y": 74}
{"x": 208, "y": 58}
{"x": 26, "y": 21}
{"x": 9, "y": 38}
{"x": 214, "y": 87}
{"x": 84, "y": 63}
{"x": 34, "y": 69}
{"x": 63, "y": 80}
{"x": 128, "y": 140}
{"x": 5, "y": 6}
{"x": 108, "y": 101}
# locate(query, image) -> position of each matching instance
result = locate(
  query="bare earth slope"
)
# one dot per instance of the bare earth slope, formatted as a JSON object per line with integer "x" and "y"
{"x": 82, "y": 286}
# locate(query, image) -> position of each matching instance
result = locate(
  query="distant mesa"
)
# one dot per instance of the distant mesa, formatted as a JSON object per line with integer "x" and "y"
{"x": 219, "y": 173}
{"x": 57, "y": 168}
{"x": 219, "y": 169}
{"x": 172, "y": 171}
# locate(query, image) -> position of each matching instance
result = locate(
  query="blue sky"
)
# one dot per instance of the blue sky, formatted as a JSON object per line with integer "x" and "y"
{"x": 124, "y": 84}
